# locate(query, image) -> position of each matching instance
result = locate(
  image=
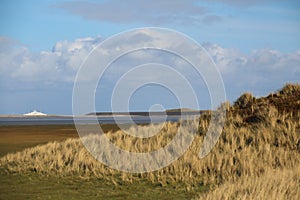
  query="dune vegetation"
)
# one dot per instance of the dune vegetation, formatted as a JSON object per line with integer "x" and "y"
{"x": 275, "y": 184}
{"x": 256, "y": 157}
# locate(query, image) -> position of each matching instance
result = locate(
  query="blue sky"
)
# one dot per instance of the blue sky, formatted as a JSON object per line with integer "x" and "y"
{"x": 255, "y": 45}
{"x": 40, "y": 24}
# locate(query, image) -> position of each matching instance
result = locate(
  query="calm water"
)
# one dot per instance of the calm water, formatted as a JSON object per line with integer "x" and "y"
{"x": 85, "y": 120}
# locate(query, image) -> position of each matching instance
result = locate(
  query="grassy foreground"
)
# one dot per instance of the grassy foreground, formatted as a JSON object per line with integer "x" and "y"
{"x": 33, "y": 186}
{"x": 256, "y": 157}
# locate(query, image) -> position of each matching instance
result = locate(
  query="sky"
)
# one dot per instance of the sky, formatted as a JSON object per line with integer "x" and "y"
{"x": 254, "y": 44}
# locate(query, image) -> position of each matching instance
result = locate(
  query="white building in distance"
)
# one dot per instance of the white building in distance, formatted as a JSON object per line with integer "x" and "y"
{"x": 35, "y": 113}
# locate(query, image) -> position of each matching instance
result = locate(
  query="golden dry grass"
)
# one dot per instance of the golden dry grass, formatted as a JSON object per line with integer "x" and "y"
{"x": 273, "y": 185}
{"x": 259, "y": 136}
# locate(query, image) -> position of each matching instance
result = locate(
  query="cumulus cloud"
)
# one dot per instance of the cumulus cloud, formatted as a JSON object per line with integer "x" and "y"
{"x": 153, "y": 12}
{"x": 60, "y": 64}
{"x": 260, "y": 71}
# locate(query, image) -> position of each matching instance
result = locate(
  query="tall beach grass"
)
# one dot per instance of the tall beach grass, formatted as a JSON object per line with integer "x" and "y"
{"x": 257, "y": 154}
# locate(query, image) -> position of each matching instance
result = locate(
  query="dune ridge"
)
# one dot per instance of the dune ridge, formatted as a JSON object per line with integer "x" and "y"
{"x": 260, "y": 143}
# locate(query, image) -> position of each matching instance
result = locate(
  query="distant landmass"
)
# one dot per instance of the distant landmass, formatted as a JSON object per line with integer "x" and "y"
{"x": 171, "y": 112}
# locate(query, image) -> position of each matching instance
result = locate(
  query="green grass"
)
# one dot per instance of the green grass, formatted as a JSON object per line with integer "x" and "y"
{"x": 33, "y": 186}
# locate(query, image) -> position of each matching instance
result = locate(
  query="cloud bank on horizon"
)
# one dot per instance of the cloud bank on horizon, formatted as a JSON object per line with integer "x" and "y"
{"x": 44, "y": 78}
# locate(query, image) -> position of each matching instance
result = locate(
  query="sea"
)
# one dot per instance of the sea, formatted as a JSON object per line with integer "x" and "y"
{"x": 64, "y": 120}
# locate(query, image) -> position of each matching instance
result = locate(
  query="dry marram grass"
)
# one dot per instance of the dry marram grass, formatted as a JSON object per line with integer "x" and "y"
{"x": 259, "y": 136}
{"x": 273, "y": 185}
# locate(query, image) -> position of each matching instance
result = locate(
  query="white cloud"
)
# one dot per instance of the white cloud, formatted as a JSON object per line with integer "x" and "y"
{"x": 226, "y": 59}
{"x": 60, "y": 64}
{"x": 259, "y": 71}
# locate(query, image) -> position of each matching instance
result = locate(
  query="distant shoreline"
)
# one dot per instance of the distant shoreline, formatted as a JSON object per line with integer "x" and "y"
{"x": 174, "y": 112}
{"x": 99, "y": 118}
{"x": 160, "y": 113}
